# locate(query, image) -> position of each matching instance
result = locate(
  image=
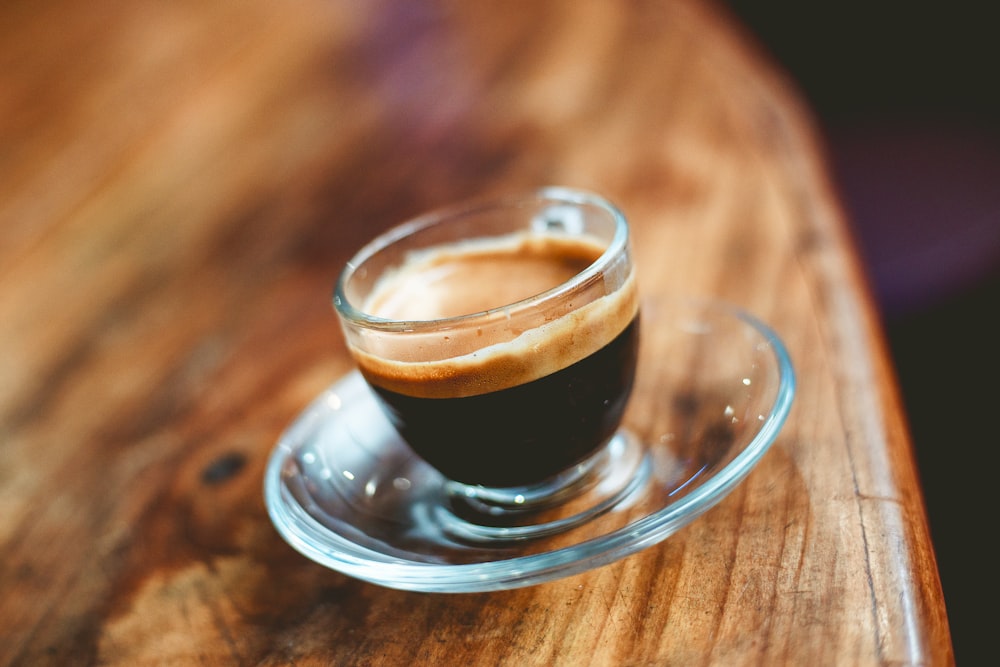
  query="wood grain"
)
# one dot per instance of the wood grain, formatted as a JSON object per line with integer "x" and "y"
{"x": 181, "y": 184}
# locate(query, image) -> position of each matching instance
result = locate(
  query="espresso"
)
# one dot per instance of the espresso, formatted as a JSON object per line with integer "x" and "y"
{"x": 526, "y": 433}
{"x": 497, "y": 405}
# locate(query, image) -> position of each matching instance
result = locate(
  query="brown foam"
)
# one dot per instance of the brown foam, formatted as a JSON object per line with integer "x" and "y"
{"x": 460, "y": 362}
{"x": 449, "y": 281}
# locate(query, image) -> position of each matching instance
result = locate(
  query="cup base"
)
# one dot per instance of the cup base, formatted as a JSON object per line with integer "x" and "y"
{"x": 591, "y": 488}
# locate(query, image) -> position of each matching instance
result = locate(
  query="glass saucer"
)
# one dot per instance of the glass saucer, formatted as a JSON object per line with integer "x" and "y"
{"x": 713, "y": 389}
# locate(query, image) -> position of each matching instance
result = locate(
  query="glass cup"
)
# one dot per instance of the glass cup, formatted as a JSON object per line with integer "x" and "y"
{"x": 490, "y": 437}
{"x": 500, "y": 338}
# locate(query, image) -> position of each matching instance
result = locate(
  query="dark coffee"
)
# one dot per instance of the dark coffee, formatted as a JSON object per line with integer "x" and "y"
{"x": 520, "y": 407}
{"x": 526, "y": 433}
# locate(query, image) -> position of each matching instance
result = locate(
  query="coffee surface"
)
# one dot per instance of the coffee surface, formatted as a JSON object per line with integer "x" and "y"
{"x": 483, "y": 275}
{"x": 476, "y": 276}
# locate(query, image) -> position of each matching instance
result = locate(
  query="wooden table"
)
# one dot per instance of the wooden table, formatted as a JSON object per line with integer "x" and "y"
{"x": 181, "y": 183}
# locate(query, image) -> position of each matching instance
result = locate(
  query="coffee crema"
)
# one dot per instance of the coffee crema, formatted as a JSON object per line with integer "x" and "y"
{"x": 487, "y": 275}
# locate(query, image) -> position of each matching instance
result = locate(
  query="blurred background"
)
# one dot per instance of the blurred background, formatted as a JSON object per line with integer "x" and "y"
{"x": 906, "y": 95}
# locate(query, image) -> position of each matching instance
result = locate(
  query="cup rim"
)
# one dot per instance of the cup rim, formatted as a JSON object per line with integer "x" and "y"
{"x": 557, "y": 194}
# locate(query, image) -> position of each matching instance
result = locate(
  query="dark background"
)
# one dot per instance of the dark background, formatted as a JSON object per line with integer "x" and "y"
{"x": 906, "y": 97}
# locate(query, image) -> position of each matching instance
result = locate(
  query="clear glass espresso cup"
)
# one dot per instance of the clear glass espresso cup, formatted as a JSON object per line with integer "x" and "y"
{"x": 500, "y": 338}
